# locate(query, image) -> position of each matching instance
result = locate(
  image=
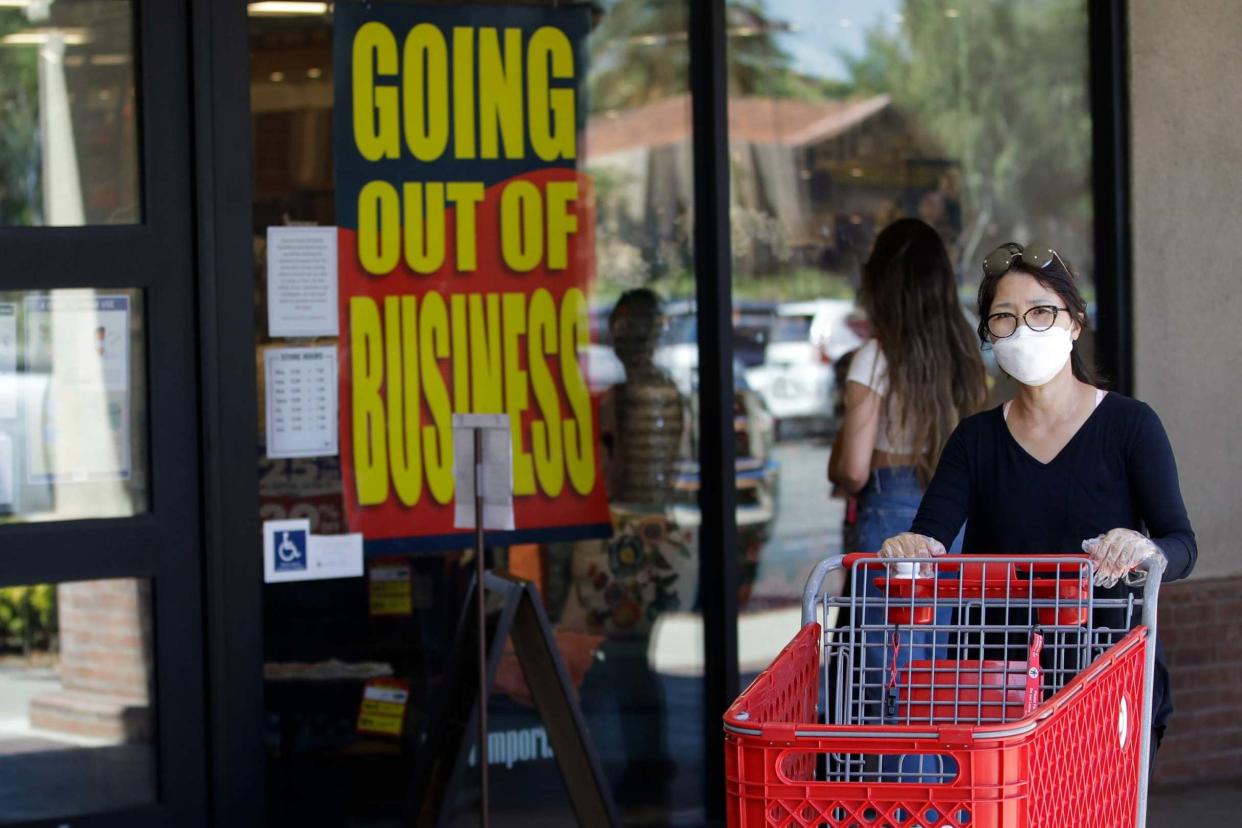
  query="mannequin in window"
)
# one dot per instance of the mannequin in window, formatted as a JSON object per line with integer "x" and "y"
{"x": 642, "y": 420}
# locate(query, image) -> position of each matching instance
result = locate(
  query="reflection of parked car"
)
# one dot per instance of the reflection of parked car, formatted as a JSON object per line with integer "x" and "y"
{"x": 600, "y": 366}
{"x": 752, "y": 332}
{"x": 679, "y": 347}
{"x": 796, "y": 378}
{"x": 679, "y": 350}
{"x": 599, "y": 362}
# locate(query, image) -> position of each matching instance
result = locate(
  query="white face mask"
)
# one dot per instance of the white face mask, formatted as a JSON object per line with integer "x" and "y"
{"x": 1034, "y": 357}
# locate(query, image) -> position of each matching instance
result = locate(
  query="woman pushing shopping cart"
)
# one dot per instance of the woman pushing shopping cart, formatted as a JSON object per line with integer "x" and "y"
{"x": 932, "y": 711}
{"x": 1064, "y": 466}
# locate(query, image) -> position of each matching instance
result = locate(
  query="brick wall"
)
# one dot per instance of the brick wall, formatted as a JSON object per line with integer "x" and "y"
{"x": 1201, "y": 627}
{"x": 103, "y": 643}
{"x": 105, "y": 662}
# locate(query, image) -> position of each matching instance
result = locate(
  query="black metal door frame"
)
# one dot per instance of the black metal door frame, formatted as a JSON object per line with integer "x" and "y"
{"x": 714, "y": 285}
{"x": 233, "y": 571}
{"x": 1110, "y": 179}
{"x": 163, "y": 545}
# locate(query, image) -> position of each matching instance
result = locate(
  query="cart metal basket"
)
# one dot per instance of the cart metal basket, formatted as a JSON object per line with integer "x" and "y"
{"x": 952, "y": 691}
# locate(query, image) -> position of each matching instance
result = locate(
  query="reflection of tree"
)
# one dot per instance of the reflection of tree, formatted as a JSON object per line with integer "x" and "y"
{"x": 19, "y": 118}
{"x": 1002, "y": 88}
{"x": 640, "y": 54}
{"x": 988, "y": 134}
{"x": 27, "y": 618}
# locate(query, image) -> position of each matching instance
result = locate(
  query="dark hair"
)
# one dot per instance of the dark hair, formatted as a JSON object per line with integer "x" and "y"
{"x": 638, "y": 303}
{"x": 935, "y": 370}
{"x": 1059, "y": 278}
{"x": 635, "y": 324}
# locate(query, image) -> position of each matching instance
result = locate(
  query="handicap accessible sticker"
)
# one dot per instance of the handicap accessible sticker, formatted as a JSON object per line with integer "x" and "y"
{"x": 292, "y": 553}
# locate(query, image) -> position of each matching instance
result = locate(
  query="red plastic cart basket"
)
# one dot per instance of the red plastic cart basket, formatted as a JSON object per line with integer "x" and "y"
{"x": 996, "y": 691}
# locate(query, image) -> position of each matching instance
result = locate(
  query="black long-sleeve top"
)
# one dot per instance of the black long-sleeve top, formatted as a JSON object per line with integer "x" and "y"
{"x": 1118, "y": 471}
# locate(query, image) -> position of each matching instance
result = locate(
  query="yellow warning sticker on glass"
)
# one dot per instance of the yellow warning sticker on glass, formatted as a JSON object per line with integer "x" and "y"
{"x": 391, "y": 590}
{"x": 383, "y": 707}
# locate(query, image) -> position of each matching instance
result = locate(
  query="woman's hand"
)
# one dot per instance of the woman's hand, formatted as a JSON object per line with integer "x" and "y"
{"x": 911, "y": 545}
{"x": 1115, "y": 554}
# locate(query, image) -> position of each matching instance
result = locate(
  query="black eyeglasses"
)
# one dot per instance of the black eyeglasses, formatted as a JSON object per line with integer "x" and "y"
{"x": 1038, "y": 318}
{"x": 1034, "y": 255}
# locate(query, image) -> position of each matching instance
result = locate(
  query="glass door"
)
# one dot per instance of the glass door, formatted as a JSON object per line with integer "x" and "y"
{"x": 101, "y": 679}
{"x": 843, "y": 121}
{"x": 623, "y": 596}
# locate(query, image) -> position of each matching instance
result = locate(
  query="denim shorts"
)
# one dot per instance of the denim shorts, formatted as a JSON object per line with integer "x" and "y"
{"x": 887, "y": 507}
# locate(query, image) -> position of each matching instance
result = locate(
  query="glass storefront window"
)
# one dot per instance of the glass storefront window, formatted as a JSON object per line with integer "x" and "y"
{"x": 972, "y": 116}
{"x": 72, "y": 405}
{"x": 624, "y": 608}
{"x": 77, "y": 703}
{"x": 68, "y": 114}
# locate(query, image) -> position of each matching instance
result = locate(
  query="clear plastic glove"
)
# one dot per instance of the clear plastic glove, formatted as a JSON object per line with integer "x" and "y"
{"x": 1117, "y": 553}
{"x": 911, "y": 545}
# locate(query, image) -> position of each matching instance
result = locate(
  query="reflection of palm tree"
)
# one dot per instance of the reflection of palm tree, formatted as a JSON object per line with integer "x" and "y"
{"x": 641, "y": 54}
{"x": 19, "y": 119}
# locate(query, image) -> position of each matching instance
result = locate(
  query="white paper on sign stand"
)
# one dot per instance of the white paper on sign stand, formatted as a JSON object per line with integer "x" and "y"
{"x": 497, "y": 471}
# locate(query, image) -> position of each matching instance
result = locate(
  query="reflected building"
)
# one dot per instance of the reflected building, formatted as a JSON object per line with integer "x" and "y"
{"x": 812, "y": 181}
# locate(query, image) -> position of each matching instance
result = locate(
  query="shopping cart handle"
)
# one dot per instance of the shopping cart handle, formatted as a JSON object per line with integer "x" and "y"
{"x": 1052, "y": 566}
{"x": 1021, "y": 563}
{"x": 1141, "y": 574}
{"x": 854, "y": 557}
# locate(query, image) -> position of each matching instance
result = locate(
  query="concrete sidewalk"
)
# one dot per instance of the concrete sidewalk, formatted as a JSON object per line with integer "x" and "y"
{"x": 1210, "y": 805}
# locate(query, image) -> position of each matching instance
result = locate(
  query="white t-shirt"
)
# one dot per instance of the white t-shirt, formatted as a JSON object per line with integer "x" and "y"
{"x": 870, "y": 368}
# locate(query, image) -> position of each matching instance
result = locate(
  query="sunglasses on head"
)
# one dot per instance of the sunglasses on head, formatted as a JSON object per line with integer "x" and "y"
{"x": 1034, "y": 255}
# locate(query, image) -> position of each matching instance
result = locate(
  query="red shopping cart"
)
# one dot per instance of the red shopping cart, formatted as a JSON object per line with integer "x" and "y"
{"x": 994, "y": 691}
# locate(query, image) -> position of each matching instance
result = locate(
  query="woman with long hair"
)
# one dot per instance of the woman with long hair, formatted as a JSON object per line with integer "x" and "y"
{"x": 909, "y": 385}
{"x": 906, "y": 391}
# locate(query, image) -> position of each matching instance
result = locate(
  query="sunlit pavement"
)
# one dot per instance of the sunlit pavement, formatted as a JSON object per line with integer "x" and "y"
{"x": 18, "y": 685}
{"x": 1208, "y": 806}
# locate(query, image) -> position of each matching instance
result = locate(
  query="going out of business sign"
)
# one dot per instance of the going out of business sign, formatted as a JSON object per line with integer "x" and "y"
{"x": 466, "y": 249}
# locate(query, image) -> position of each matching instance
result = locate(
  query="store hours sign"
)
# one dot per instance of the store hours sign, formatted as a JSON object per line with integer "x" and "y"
{"x": 466, "y": 248}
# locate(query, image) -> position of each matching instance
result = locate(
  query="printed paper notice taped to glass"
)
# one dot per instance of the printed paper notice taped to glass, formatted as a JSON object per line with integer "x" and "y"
{"x": 466, "y": 255}
{"x": 77, "y": 346}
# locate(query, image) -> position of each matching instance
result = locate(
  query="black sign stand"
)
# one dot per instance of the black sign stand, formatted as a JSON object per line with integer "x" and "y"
{"x": 444, "y": 741}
